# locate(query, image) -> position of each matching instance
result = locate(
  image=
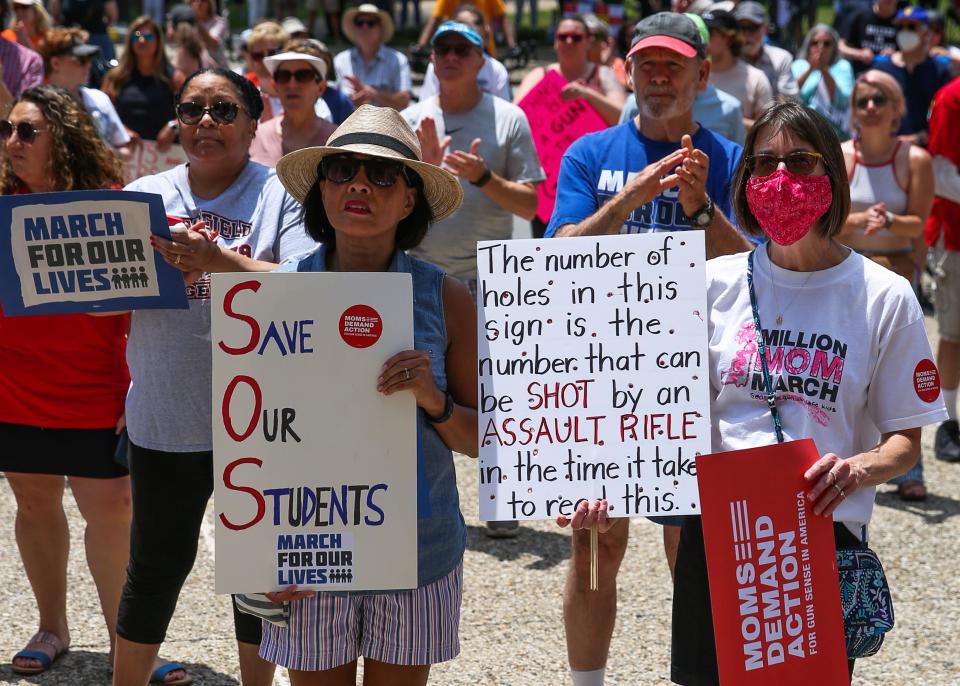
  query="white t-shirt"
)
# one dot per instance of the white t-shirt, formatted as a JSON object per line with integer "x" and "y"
{"x": 169, "y": 404}
{"x": 844, "y": 362}
{"x": 748, "y": 84}
{"x": 105, "y": 116}
{"x": 493, "y": 79}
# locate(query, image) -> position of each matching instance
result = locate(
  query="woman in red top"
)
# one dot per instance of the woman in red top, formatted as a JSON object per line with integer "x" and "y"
{"x": 63, "y": 380}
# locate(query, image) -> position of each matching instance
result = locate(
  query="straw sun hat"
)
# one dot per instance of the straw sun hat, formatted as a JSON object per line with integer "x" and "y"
{"x": 350, "y": 31}
{"x": 378, "y": 132}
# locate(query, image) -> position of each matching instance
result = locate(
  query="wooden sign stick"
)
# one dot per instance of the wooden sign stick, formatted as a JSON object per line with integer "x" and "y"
{"x": 594, "y": 557}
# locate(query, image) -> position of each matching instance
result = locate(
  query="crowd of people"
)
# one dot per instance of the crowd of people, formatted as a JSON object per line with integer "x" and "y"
{"x": 819, "y": 159}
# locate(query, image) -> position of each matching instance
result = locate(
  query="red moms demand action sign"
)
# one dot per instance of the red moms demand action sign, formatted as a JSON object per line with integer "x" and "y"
{"x": 772, "y": 568}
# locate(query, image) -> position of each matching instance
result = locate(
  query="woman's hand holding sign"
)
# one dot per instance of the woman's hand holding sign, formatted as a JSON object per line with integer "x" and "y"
{"x": 412, "y": 371}
{"x": 287, "y": 594}
{"x": 190, "y": 250}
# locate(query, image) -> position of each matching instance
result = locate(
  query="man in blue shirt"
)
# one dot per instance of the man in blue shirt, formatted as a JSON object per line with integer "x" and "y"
{"x": 658, "y": 172}
{"x": 713, "y": 109}
{"x": 371, "y": 72}
{"x": 919, "y": 75}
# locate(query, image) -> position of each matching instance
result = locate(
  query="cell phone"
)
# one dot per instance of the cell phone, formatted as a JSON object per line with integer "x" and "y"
{"x": 122, "y": 453}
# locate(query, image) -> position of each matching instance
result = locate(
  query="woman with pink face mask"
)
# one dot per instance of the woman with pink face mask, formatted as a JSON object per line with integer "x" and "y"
{"x": 844, "y": 344}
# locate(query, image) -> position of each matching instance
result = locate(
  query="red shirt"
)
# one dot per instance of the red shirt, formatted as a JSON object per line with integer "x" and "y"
{"x": 944, "y": 134}
{"x": 63, "y": 371}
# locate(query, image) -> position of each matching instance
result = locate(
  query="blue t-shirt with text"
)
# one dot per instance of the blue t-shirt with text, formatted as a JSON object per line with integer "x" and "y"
{"x": 596, "y": 167}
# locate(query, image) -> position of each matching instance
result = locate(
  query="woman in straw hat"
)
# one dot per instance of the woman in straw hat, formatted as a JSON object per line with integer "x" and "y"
{"x": 368, "y": 198}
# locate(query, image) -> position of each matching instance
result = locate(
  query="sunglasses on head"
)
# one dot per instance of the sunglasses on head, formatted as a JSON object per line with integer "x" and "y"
{"x": 458, "y": 49}
{"x": 300, "y": 76}
{"x": 259, "y": 55}
{"x": 190, "y": 113}
{"x": 800, "y": 162}
{"x": 879, "y": 101}
{"x": 379, "y": 172}
{"x": 364, "y": 22}
{"x": 144, "y": 37}
{"x": 26, "y": 132}
{"x": 570, "y": 37}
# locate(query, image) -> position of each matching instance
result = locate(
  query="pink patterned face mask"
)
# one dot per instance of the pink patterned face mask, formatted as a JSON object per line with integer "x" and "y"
{"x": 787, "y": 205}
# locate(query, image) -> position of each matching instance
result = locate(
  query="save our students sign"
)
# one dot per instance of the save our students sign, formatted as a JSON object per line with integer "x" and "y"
{"x": 315, "y": 470}
{"x": 84, "y": 251}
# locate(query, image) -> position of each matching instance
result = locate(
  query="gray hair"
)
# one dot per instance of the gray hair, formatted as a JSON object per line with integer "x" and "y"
{"x": 804, "y": 50}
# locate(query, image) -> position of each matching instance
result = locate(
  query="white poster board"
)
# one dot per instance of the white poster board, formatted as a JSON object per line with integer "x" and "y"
{"x": 593, "y": 374}
{"x": 315, "y": 470}
{"x": 145, "y": 160}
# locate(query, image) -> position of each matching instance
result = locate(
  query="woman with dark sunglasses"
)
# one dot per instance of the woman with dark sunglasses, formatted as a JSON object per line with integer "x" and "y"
{"x": 891, "y": 193}
{"x": 233, "y": 215}
{"x": 141, "y": 86}
{"x": 266, "y": 38}
{"x": 62, "y": 383}
{"x": 299, "y": 77}
{"x": 838, "y": 340}
{"x": 595, "y": 83}
{"x": 369, "y": 198}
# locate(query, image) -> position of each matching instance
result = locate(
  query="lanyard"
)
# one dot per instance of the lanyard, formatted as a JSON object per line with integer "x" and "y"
{"x": 762, "y": 349}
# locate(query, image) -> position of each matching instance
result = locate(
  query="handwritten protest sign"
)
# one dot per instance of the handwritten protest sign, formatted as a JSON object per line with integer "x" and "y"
{"x": 772, "y": 566}
{"x": 316, "y": 471}
{"x": 593, "y": 374}
{"x": 555, "y": 123}
{"x": 84, "y": 251}
{"x": 145, "y": 160}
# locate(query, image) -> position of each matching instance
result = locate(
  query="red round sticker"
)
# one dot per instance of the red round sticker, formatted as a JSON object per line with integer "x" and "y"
{"x": 360, "y": 326}
{"x": 926, "y": 381}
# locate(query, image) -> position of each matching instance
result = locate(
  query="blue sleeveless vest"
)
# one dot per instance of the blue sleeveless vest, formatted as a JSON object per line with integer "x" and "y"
{"x": 441, "y": 532}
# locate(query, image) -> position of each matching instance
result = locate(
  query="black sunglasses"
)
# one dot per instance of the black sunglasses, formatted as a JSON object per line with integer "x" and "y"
{"x": 26, "y": 132}
{"x": 191, "y": 113}
{"x": 879, "y": 101}
{"x": 300, "y": 75}
{"x": 379, "y": 172}
{"x": 458, "y": 49}
{"x": 800, "y": 162}
{"x": 570, "y": 37}
{"x": 360, "y": 22}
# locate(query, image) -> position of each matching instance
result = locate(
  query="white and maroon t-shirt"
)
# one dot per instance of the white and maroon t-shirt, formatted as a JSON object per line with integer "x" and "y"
{"x": 849, "y": 361}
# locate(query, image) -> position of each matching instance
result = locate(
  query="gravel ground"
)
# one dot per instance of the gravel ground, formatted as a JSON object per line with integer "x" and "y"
{"x": 511, "y": 627}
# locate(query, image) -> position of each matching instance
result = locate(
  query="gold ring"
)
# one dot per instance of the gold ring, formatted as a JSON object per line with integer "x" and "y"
{"x": 406, "y": 374}
{"x": 177, "y": 261}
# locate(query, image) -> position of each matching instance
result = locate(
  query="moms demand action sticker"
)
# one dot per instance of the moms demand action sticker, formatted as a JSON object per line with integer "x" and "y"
{"x": 926, "y": 381}
{"x": 774, "y": 589}
{"x": 360, "y": 326}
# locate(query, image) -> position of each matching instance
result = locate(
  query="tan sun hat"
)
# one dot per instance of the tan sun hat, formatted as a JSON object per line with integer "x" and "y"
{"x": 350, "y": 31}
{"x": 378, "y": 132}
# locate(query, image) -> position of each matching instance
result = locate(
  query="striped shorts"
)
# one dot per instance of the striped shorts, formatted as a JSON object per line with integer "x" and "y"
{"x": 416, "y": 627}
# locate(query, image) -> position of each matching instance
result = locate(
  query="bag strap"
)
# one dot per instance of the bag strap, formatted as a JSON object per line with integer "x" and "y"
{"x": 762, "y": 349}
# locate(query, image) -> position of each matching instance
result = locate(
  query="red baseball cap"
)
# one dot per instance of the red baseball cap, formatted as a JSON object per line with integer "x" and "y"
{"x": 675, "y": 32}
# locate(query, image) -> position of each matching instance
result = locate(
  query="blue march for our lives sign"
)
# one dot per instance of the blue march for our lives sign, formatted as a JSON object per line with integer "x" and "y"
{"x": 84, "y": 251}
